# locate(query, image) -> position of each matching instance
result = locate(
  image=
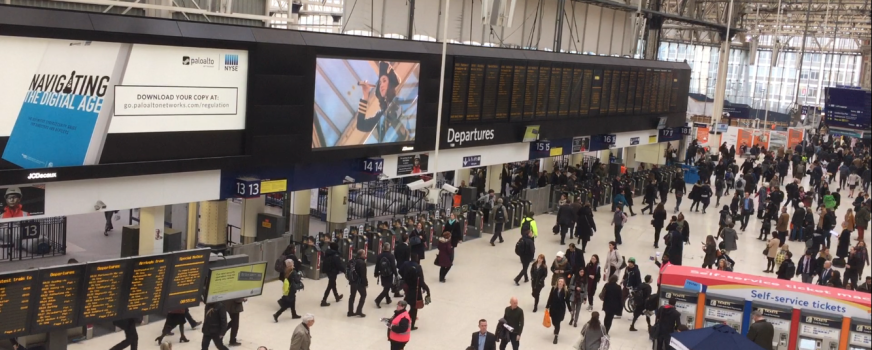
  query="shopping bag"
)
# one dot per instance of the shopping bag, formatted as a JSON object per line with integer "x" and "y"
{"x": 547, "y": 320}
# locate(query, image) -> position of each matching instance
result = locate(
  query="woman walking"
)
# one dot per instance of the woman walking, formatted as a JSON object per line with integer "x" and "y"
{"x": 659, "y": 217}
{"x": 445, "y": 258}
{"x": 558, "y": 299}
{"x": 578, "y": 294}
{"x": 289, "y": 293}
{"x": 538, "y": 273}
{"x": 613, "y": 260}
{"x": 174, "y": 318}
{"x": 592, "y": 273}
{"x": 711, "y": 250}
{"x": 585, "y": 225}
{"x": 591, "y": 334}
{"x": 611, "y": 297}
{"x": 452, "y": 226}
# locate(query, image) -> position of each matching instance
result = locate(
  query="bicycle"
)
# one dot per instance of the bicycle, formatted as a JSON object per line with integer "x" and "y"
{"x": 630, "y": 301}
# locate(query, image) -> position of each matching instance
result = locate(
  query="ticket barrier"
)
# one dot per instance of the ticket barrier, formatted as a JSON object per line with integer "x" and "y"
{"x": 360, "y": 243}
{"x": 313, "y": 256}
{"x": 343, "y": 242}
{"x": 780, "y": 320}
{"x": 488, "y": 227}
{"x": 861, "y": 335}
{"x": 686, "y": 303}
{"x": 322, "y": 240}
{"x": 430, "y": 235}
{"x": 724, "y": 311}
{"x": 818, "y": 332}
{"x": 510, "y": 214}
{"x": 518, "y": 215}
{"x": 526, "y": 206}
{"x": 474, "y": 226}
{"x": 374, "y": 241}
{"x": 607, "y": 193}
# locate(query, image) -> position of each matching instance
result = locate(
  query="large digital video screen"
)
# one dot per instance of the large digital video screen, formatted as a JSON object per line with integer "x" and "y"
{"x": 62, "y": 97}
{"x": 234, "y": 282}
{"x": 364, "y": 102}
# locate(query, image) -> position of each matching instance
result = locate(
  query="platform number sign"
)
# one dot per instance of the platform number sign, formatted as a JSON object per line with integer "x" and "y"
{"x": 686, "y": 130}
{"x": 670, "y": 134}
{"x": 247, "y": 187}
{"x": 29, "y": 229}
{"x": 543, "y": 146}
{"x": 372, "y": 165}
{"x": 609, "y": 139}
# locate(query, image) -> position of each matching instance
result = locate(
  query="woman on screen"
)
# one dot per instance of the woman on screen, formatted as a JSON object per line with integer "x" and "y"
{"x": 389, "y": 113}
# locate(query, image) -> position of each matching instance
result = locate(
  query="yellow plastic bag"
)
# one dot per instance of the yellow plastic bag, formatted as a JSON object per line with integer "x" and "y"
{"x": 547, "y": 321}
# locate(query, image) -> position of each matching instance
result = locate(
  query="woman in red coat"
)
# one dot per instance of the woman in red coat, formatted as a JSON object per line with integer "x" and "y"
{"x": 445, "y": 258}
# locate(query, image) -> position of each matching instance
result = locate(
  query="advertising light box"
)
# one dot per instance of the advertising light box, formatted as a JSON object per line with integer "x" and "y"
{"x": 62, "y": 97}
{"x": 234, "y": 282}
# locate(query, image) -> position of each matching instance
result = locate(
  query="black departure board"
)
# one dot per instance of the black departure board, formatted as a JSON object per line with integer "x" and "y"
{"x": 489, "y": 92}
{"x": 649, "y": 90}
{"x": 596, "y": 92}
{"x": 661, "y": 91}
{"x": 673, "y": 102}
{"x": 504, "y": 93}
{"x": 622, "y": 92}
{"x": 531, "y": 91}
{"x": 58, "y": 298}
{"x": 187, "y": 279}
{"x": 554, "y": 91}
{"x": 476, "y": 83}
{"x": 613, "y": 92}
{"x": 148, "y": 276}
{"x": 542, "y": 91}
{"x": 640, "y": 92}
{"x": 104, "y": 290}
{"x": 16, "y": 289}
{"x": 607, "y": 92}
{"x": 575, "y": 92}
{"x": 459, "y": 90}
{"x": 631, "y": 91}
{"x": 519, "y": 85}
{"x": 586, "y": 89}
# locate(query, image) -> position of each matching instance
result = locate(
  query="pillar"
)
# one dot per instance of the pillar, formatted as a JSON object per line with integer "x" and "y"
{"x": 298, "y": 215}
{"x": 191, "y": 228}
{"x": 337, "y": 207}
{"x": 576, "y": 158}
{"x": 493, "y": 178}
{"x": 151, "y": 230}
{"x": 250, "y": 208}
{"x": 213, "y": 224}
{"x": 721, "y": 83}
{"x": 547, "y": 164}
{"x": 461, "y": 176}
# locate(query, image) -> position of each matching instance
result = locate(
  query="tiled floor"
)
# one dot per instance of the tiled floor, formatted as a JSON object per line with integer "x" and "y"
{"x": 479, "y": 286}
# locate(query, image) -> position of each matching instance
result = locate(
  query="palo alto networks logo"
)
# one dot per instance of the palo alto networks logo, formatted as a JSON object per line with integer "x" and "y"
{"x": 231, "y": 63}
{"x": 198, "y": 61}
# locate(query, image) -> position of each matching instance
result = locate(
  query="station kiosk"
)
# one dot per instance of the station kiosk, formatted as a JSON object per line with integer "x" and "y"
{"x": 724, "y": 311}
{"x": 780, "y": 320}
{"x": 860, "y": 337}
{"x": 686, "y": 304}
{"x": 818, "y": 332}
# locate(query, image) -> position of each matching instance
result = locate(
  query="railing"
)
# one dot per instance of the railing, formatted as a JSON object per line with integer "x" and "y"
{"x": 383, "y": 198}
{"x": 230, "y": 229}
{"x": 31, "y": 239}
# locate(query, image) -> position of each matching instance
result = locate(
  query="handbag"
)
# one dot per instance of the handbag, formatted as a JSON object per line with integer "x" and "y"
{"x": 547, "y": 320}
{"x": 766, "y": 251}
{"x": 623, "y": 263}
{"x": 555, "y": 229}
{"x": 419, "y": 304}
{"x": 602, "y": 294}
{"x": 605, "y": 341}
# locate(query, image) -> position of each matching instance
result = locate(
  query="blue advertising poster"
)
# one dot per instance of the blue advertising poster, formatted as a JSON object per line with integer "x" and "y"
{"x": 848, "y": 108}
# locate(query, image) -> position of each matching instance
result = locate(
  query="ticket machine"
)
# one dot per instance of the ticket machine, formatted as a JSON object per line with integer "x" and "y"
{"x": 818, "y": 332}
{"x": 723, "y": 311}
{"x": 780, "y": 320}
{"x": 685, "y": 304}
{"x": 861, "y": 335}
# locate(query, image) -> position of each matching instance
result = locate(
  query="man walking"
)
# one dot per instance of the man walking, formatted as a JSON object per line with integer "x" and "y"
{"x": 565, "y": 219}
{"x": 385, "y": 271}
{"x": 302, "y": 338}
{"x": 806, "y": 267}
{"x": 356, "y": 275}
{"x": 747, "y": 210}
{"x": 500, "y": 216}
{"x": 483, "y": 340}
{"x": 526, "y": 250}
{"x": 514, "y": 318}
{"x": 331, "y": 266}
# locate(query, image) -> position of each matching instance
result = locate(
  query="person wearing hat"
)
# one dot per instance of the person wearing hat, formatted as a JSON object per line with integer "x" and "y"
{"x": 560, "y": 268}
{"x": 399, "y": 327}
{"x": 416, "y": 167}
{"x": 12, "y": 207}
{"x": 389, "y": 113}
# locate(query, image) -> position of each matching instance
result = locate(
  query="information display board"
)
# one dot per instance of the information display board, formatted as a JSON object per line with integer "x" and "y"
{"x": 105, "y": 290}
{"x": 58, "y": 296}
{"x": 234, "y": 282}
{"x": 848, "y": 108}
{"x": 147, "y": 280}
{"x": 185, "y": 287}
{"x": 16, "y": 291}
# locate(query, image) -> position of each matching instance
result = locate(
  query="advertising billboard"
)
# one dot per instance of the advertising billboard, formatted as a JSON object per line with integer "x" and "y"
{"x": 409, "y": 164}
{"x": 62, "y": 97}
{"x": 234, "y": 282}
{"x": 364, "y": 102}
{"x": 22, "y": 201}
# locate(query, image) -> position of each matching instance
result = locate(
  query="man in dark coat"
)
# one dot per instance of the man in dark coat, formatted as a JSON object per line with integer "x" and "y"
{"x": 331, "y": 266}
{"x": 761, "y": 331}
{"x": 584, "y": 225}
{"x": 527, "y": 252}
{"x": 668, "y": 320}
{"x": 359, "y": 285}
{"x": 483, "y": 339}
{"x": 385, "y": 269}
{"x": 413, "y": 278}
{"x": 565, "y": 219}
{"x": 214, "y": 325}
{"x": 234, "y": 309}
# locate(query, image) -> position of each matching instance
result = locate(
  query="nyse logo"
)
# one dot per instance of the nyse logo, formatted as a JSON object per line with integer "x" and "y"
{"x": 231, "y": 63}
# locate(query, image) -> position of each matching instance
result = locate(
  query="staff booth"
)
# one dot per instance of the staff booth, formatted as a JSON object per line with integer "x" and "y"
{"x": 805, "y": 316}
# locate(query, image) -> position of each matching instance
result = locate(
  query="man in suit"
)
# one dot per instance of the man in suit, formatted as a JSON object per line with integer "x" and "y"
{"x": 826, "y": 274}
{"x": 565, "y": 219}
{"x": 483, "y": 340}
{"x": 747, "y": 208}
{"x": 806, "y": 267}
{"x": 761, "y": 331}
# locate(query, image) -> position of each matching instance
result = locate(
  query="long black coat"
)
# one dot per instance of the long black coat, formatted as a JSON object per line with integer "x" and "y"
{"x": 557, "y": 303}
{"x": 456, "y": 232}
{"x": 612, "y": 302}
{"x": 585, "y": 225}
{"x": 386, "y": 281}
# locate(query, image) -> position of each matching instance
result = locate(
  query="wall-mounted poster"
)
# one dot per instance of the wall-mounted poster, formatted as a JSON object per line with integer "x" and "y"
{"x": 580, "y": 144}
{"x": 412, "y": 164}
{"x": 22, "y": 201}
{"x": 62, "y": 97}
{"x": 364, "y": 102}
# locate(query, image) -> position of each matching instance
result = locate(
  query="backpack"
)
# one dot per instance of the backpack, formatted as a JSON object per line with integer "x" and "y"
{"x": 500, "y": 215}
{"x": 728, "y": 220}
{"x": 651, "y": 303}
{"x": 280, "y": 264}
{"x": 297, "y": 281}
{"x": 525, "y": 225}
{"x": 728, "y": 176}
{"x": 520, "y": 247}
{"x": 791, "y": 269}
{"x": 351, "y": 272}
{"x": 384, "y": 268}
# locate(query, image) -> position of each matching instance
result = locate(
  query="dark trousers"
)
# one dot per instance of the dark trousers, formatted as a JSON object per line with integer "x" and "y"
{"x": 770, "y": 264}
{"x": 781, "y": 237}
{"x": 288, "y": 302}
{"x": 607, "y": 321}
{"x": 796, "y": 233}
{"x": 385, "y": 294}
{"x": 536, "y": 292}
{"x": 219, "y": 343}
{"x": 663, "y": 197}
{"x": 618, "y": 233}
{"x": 131, "y": 339}
{"x": 512, "y": 339}
{"x": 694, "y": 204}
{"x": 108, "y": 215}
{"x": 523, "y": 273}
{"x": 443, "y": 271}
{"x": 395, "y": 345}
{"x": 498, "y": 232}
{"x": 356, "y": 289}
{"x": 657, "y": 236}
{"x": 563, "y": 230}
{"x": 557, "y": 327}
{"x": 638, "y": 311}
{"x": 413, "y": 312}
{"x": 331, "y": 286}
{"x": 233, "y": 326}
{"x": 650, "y": 206}
{"x": 852, "y": 276}
{"x": 190, "y": 319}
{"x": 677, "y": 202}
{"x": 745, "y": 217}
